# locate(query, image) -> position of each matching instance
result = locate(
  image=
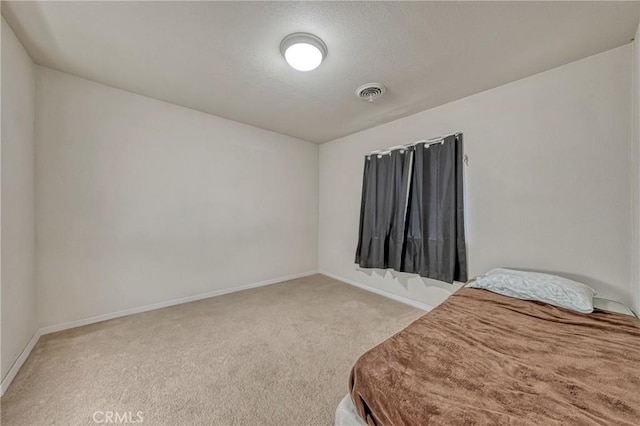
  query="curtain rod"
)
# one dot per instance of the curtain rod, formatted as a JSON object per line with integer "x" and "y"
{"x": 427, "y": 142}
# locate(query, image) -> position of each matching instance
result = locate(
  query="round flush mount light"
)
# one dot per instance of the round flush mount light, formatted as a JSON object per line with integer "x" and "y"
{"x": 303, "y": 51}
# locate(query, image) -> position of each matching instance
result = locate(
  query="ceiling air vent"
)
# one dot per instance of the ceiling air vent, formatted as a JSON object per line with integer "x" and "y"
{"x": 371, "y": 91}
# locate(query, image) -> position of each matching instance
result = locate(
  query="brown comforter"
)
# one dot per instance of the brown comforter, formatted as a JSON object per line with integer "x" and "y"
{"x": 486, "y": 359}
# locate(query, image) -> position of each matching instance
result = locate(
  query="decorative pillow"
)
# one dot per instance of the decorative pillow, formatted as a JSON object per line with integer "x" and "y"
{"x": 546, "y": 288}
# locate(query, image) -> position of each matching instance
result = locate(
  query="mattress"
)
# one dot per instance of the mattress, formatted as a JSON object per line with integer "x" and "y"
{"x": 486, "y": 359}
{"x": 346, "y": 414}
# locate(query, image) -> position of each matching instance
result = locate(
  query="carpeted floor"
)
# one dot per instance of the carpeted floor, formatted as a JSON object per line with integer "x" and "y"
{"x": 275, "y": 355}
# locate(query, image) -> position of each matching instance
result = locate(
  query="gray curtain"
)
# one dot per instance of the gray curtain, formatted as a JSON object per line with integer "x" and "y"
{"x": 383, "y": 210}
{"x": 412, "y": 212}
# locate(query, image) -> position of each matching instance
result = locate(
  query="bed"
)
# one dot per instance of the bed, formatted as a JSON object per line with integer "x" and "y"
{"x": 486, "y": 359}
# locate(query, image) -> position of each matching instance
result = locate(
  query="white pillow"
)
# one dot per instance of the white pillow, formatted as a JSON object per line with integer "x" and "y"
{"x": 545, "y": 288}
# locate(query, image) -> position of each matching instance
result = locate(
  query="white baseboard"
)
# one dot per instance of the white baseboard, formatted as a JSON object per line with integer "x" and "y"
{"x": 13, "y": 371}
{"x": 377, "y": 291}
{"x": 99, "y": 318}
{"x": 166, "y": 304}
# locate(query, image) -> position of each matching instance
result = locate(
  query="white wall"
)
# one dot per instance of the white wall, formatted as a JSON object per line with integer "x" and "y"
{"x": 19, "y": 316}
{"x": 548, "y": 183}
{"x": 141, "y": 201}
{"x": 635, "y": 177}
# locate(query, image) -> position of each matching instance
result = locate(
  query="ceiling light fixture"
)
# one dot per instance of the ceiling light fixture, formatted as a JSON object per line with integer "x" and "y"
{"x": 303, "y": 51}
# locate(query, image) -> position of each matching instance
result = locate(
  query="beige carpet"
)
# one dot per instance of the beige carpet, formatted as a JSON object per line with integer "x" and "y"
{"x": 276, "y": 355}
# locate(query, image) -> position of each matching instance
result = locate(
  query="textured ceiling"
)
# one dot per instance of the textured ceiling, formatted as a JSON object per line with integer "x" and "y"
{"x": 223, "y": 57}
